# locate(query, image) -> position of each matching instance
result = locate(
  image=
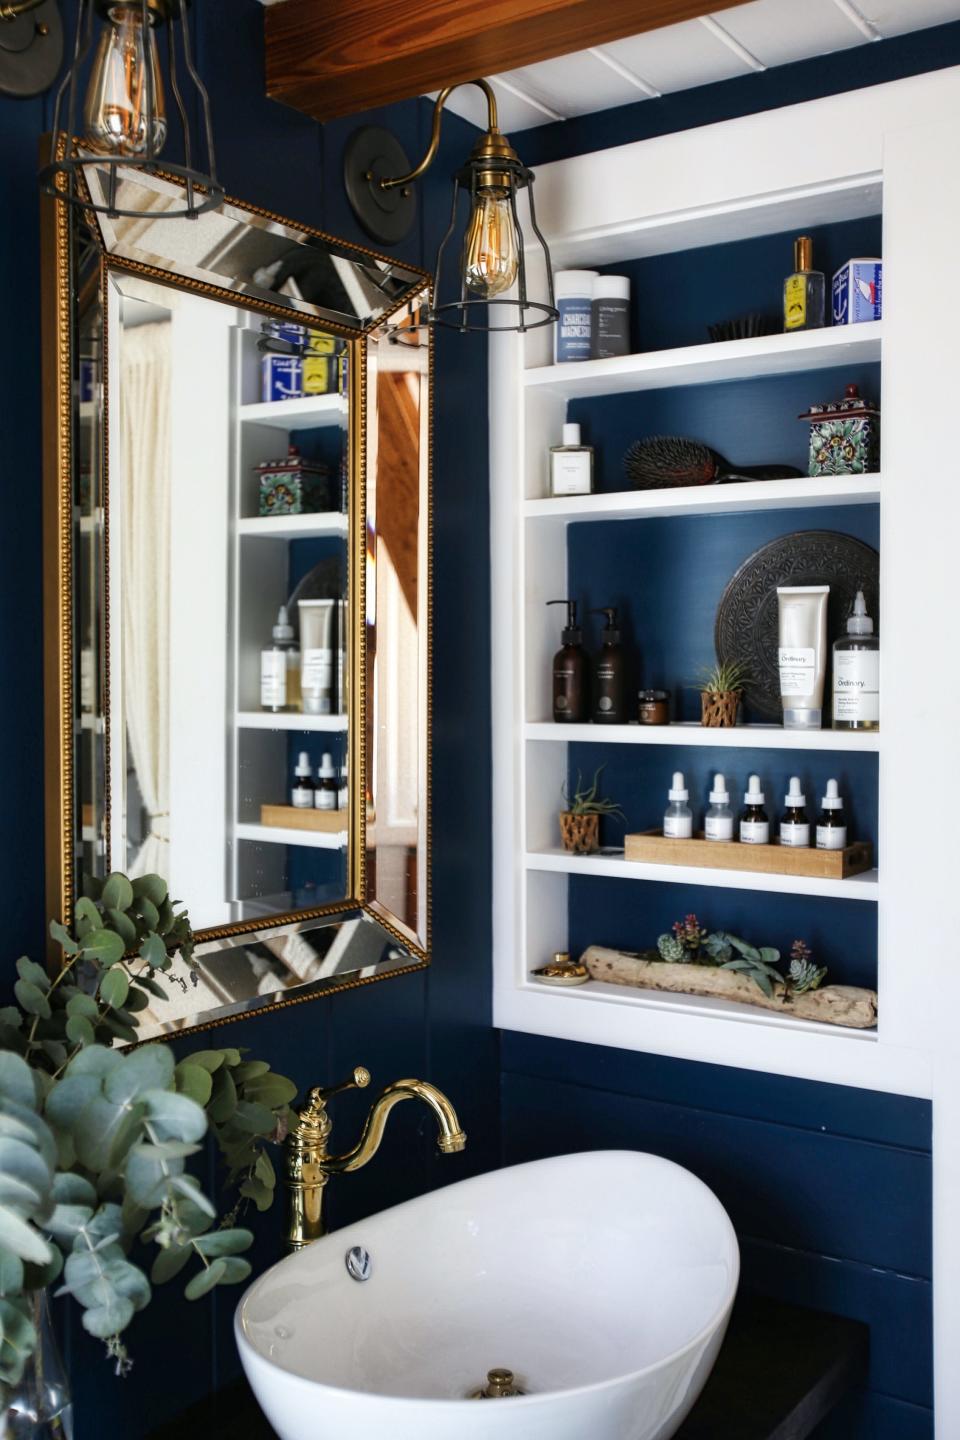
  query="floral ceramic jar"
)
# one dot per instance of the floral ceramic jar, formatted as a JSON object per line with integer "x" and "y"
{"x": 845, "y": 436}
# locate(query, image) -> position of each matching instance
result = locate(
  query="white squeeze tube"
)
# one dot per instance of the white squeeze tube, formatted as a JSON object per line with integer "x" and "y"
{"x": 802, "y": 655}
{"x": 317, "y": 643}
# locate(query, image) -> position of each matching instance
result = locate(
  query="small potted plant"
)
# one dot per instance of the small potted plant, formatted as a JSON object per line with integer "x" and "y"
{"x": 721, "y": 690}
{"x": 580, "y": 822}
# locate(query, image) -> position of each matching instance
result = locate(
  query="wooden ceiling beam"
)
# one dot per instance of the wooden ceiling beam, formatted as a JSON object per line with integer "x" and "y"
{"x": 335, "y": 57}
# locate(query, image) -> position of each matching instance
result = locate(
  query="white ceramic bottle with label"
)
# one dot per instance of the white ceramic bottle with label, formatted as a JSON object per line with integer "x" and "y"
{"x": 794, "y": 825}
{"x": 718, "y": 821}
{"x": 280, "y": 668}
{"x": 571, "y": 465}
{"x": 754, "y": 824}
{"x": 832, "y": 825}
{"x": 678, "y": 817}
{"x": 856, "y": 673}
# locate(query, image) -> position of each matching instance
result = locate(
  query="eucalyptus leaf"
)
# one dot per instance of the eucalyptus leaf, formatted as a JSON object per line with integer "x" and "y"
{"x": 264, "y": 1171}
{"x": 63, "y": 938}
{"x": 256, "y": 1119}
{"x": 249, "y": 1070}
{"x": 87, "y": 917}
{"x": 28, "y": 969}
{"x": 71, "y": 1189}
{"x": 151, "y": 887}
{"x": 20, "y": 1161}
{"x": 117, "y": 893}
{"x": 124, "y": 927}
{"x": 38, "y": 1277}
{"x": 149, "y": 1068}
{"x": 169, "y": 1263}
{"x": 11, "y": 1273}
{"x": 148, "y": 1175}
{"x": 97, "y": 1061}
{"x": 188, "y": 1187}
{"x": 260, "y": 1194}
{"x": 194, "y": 1081}
{"x": 85, "y": 1005}
{"x": 115, "y": 987}
{"x": 136, "y": 1000}
{"x": 104, "y": 946}
{"x": 80, "y": 1031}
{"x": 11, "y": 1017}
{"x": 207, "y": 1278}
{"x": 224, "y": 1242}
{"x": 147, "y": 912}
{"x": 223, "y": 1102}
{"x": 235, "y": 1271}
{"x": 153, "y": 950}
{"x": 20, "y": 1195}
{"x": 130, "y": 1281}
{"x": 21, "y": 1239}
{"x": 271, "y": 1090}
{"x": 18, "y": 1339}
{"x": 119, "y": 1024}
{"x": 32, "y": 999}
{"x": 105, "y": 1321}
{"x": 70, "y": 1097}
{"x": 210, "y": 1059}
{"x": 16, "y": 1079}
{"x": 68, "y": 1221}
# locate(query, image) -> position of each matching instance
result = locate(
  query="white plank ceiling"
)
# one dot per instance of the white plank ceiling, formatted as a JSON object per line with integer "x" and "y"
{"x": 754, "y": 36}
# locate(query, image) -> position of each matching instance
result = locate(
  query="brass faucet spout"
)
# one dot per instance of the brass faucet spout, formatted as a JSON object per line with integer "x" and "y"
{"x": 450, "y": 1139}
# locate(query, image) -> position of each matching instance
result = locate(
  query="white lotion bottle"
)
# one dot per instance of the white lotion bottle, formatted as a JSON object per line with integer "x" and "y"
{"x": 678, "y": 817}
{"x": 754, "y": 824}
{"x": 794, "y": 825}
{"x": 856, "y": 673}
{"x": 718, "y": 821}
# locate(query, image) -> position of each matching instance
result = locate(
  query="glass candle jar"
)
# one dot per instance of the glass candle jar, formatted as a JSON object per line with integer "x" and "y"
{"x": 654, "y": 707}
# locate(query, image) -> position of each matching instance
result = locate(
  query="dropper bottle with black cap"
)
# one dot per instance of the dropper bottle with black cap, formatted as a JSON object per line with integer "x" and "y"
{"x": 570, "y": 687}
{"x": 608, "y": 674}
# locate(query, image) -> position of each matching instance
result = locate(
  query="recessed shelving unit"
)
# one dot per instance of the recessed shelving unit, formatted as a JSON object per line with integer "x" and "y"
{"x": 287, "y": 415}
{"x": 663, "y": 198}
{"x": 280, "y": 835}
{"x": 294, "y": 527}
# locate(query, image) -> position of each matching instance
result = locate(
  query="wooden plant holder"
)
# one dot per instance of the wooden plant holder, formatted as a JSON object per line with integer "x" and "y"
{"x": 580, "y": 833}
{"x": 832, "y": 1005}
{"x": 653, "y": 847}
{"x": 294, "y": 817}
{"x": 719, "y": 708}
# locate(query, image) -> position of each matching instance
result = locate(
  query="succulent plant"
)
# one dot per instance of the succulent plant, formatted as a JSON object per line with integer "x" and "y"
{"x": 757, "y": 964}
{"x": 673, "y": 951}
{"x": 804, "y": 974}
{"x": 95, "y": 1141}
{"x": 587, "y": 801}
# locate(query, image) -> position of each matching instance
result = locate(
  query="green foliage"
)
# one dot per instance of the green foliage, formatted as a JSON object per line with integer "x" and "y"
{"x": 588, "y": 801}
{"x": 691, "y": 943}
{"x": 95, "y": 1142}
{"x": 724, "y": 678}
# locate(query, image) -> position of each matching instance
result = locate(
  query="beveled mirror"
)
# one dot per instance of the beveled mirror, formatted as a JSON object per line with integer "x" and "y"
{"x": 237, "y": 502}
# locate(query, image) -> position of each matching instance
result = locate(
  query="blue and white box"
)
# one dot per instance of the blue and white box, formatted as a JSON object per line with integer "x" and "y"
{"x": 858, "y": 292}
{"x": 282, "y": 377}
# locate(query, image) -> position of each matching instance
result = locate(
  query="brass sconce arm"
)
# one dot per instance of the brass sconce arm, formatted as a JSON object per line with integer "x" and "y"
{"x": 13, "y": 9}
{"x": 492, "y": 143}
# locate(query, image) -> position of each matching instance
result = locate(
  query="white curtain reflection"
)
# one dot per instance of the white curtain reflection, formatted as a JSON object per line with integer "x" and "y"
{"x": 145, "y": 431}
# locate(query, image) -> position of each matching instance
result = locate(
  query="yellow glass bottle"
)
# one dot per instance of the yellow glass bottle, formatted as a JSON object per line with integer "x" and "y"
{"x": 804, "y": 292}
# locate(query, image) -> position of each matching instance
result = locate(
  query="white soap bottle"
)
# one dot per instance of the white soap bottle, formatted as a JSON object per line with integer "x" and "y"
{"x": 303, "y": 790}
{"x": 794, "y": 825}
{"x": 856, "y": 673}
{"x": 718, "y": 821}
{"x": 678, "y": 817}
{"x": 754, "y": 824}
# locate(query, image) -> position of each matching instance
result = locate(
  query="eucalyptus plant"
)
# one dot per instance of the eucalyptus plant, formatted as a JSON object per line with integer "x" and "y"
{"x": 95, "y": 1142}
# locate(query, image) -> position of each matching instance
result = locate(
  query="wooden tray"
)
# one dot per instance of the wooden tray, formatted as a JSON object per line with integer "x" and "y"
{"x": 292, "y": 817}
{"x": 652, "y": 846}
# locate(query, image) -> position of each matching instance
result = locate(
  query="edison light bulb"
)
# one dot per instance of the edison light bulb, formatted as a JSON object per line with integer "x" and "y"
{"x": 490, "y": 249}
{"x": 115, "y": 116}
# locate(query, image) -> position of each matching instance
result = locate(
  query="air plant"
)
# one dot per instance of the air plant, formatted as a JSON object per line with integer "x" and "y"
{"x": 727, "y": 677}
{"x": 588, "y": 801}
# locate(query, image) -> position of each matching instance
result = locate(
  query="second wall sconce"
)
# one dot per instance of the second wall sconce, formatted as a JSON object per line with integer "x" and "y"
{"x": 492, "y": 262}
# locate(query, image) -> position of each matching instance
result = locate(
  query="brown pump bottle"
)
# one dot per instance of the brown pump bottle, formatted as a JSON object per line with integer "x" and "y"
{"x": 570, "y": 687}
{"x": 608, "y": 674}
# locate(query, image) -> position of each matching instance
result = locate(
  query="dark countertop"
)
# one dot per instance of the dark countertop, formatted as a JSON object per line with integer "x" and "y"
{"x": 780, "y": 1373}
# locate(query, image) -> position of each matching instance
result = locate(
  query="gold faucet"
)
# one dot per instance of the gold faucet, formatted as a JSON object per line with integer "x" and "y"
{"x": 309, "y": 1166}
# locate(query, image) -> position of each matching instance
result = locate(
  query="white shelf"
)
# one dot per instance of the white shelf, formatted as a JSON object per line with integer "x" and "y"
{"x": 294, "y": 527}
{"x": 732, "y": 499}
{"x": 758, "y": 357}
{"x": 280, "y": 835}
{"x": 289, "y": 720}
{"x": 288, "y": 415}
{"x": 744, "y": 737}
{"x": 856, "y": 887}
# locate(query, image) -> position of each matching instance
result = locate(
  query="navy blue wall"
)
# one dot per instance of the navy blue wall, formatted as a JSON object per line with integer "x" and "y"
{"x": 436, "y": 1023}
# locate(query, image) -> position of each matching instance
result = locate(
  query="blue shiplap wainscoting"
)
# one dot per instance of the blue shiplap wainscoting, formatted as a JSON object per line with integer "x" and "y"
{"x": 828, "y": 1188}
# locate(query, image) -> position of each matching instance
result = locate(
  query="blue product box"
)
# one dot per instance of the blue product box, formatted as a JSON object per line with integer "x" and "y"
{"x": 282, "y": 377}
{"x": 858, "y": 292}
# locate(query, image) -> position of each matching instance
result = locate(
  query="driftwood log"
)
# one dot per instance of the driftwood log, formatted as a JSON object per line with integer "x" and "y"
{"x": 832, "y": 1005}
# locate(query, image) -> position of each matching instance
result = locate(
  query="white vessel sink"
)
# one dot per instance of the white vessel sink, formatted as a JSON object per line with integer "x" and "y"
{"x": 603, "y": 1281}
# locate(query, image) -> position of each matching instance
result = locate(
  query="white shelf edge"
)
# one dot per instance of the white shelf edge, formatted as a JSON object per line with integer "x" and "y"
{"x": 760, "y": 737}
{"x": 760, "y": 356}
{"x": 294, "y": 527}
{"x": 281, "y": 835}
{"x": 798, "y": 493}
{"x": 291, "y": 414}
{"x": 638, "y": 1021}
{"x": 289, "y": 720}
{"x": 856, "y": 887}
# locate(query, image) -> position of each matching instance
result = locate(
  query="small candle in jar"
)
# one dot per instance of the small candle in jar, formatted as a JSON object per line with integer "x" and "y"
{"x": 654, "y": 707}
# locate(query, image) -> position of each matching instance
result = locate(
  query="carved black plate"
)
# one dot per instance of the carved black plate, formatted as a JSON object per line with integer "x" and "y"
{"x": 747, "y": 618}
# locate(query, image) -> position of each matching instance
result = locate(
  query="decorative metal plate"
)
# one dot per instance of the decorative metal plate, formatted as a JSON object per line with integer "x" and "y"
{"x": 747, "y": 619}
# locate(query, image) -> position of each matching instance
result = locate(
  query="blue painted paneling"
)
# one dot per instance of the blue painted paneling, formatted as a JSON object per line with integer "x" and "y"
{"x": 875, "y": 1417}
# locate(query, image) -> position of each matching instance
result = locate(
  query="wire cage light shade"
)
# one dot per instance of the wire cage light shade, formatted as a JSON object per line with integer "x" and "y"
{"x": 470, "y": 311}
{"x": 121, "y": 122}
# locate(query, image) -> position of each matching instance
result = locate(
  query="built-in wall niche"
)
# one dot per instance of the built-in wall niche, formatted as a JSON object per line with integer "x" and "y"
{"x": 675, "y": 296}
{"x": 841, "y": 933}
{"x": 666, "y": 577}
{"x": 749, "y": 421}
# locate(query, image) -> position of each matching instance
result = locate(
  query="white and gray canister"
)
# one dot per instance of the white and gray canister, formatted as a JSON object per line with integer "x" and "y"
{"x": 611, "y": 316}
{"x": 574, "y": 295}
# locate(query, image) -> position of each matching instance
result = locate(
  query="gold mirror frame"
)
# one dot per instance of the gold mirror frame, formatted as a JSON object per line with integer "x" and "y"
{"x": 59, "y": 469}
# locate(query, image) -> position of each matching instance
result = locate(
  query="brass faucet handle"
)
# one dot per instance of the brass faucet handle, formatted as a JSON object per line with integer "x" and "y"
{"x": 359, "y": 1080}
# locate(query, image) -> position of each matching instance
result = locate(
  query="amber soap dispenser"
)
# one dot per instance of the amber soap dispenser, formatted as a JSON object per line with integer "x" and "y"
{"x": 608, "y": 674}
{"x": 570, "y": 687}
{"x": 804, "y": 292}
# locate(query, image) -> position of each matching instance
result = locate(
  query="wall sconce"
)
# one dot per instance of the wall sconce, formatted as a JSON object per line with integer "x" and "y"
{"x": 492, "y": 261}
{"x": 31, "y": 46}
{"x": 123, "y": 124}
